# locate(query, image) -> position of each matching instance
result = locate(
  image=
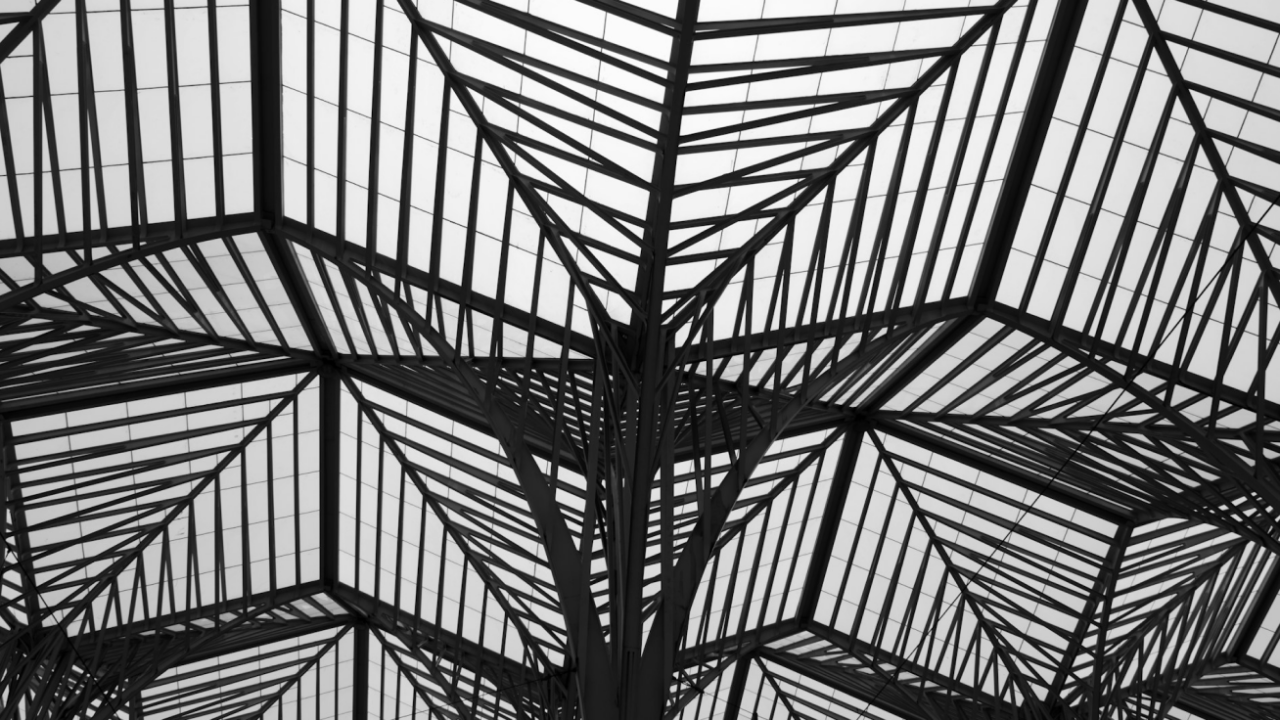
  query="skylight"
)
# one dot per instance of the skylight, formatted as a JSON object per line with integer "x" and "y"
{"x": 906, "y": 359}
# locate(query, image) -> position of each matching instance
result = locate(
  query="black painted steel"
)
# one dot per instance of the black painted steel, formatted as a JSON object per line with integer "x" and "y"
{"x": 463, "y": 360}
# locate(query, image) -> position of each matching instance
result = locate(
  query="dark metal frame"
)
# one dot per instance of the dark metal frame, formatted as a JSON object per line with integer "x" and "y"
{"x": 583, "y": 498}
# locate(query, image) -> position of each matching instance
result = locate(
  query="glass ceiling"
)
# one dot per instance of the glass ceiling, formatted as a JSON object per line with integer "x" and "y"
{"x": 463, "y": 359}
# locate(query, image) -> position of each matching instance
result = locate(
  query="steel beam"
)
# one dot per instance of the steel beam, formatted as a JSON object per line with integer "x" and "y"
{"x": 71, "y": 401}
{"x": 650, "y": 446}
{"x": 330, "y": 488}
{"x": 739, "y": 644}
{"x": 268, "y": 155}
{"x": 1099, "y": 602}
{"x": 678, "y": 593}
{"x": 999, "y": 468}
{"x": 1248, "y": 228}
{"x": 156, "y": 623}
{"x": 100, "y": 264}
{"x": 923, "y": 358}
{"x": 1256, "y": 615}
{"x": 193, "y": 230}
{"x": 749, "y": 343}
{"x": 582, "y": 621}
{"x": 837, "y": 493}
{"x": 346, "y": 251}
{"x": 810, "y": 672}
{"x": 1113, "y": 353}
{"x": 360, "y": 681}
{"x": 424, "y": 31}
{"x": 947, "y": 685}
{"x": 1055, "y": 58}
{"x": 24, "y": 27}
{"x": 710, "y": 288}
{"x": 641, "y": 383}
{"x": 268, "y": 162}
{"x": 1231, "y": 467}
{"x": 11, "y": 510}
{"x": 509, "y": 677}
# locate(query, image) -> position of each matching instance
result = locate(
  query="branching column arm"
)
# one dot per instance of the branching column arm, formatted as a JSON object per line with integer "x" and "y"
{"x": 678, "y": 593}
{"x": 582, "y": 622}
{"x": 648, "y": 450}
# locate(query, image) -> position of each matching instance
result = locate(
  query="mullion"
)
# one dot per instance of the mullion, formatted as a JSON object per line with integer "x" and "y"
{"x": 357, "y": 505}
{"x": 437, "y": 215}
{"x": 378, "y": 519}
{"x": 175, "y": 118}
{"x": 375, "y": 140}
{"x": 215, "y": 93}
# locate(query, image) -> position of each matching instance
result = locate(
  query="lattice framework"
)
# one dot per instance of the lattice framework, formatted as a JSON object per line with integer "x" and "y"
{"x": 584, "y": 359}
